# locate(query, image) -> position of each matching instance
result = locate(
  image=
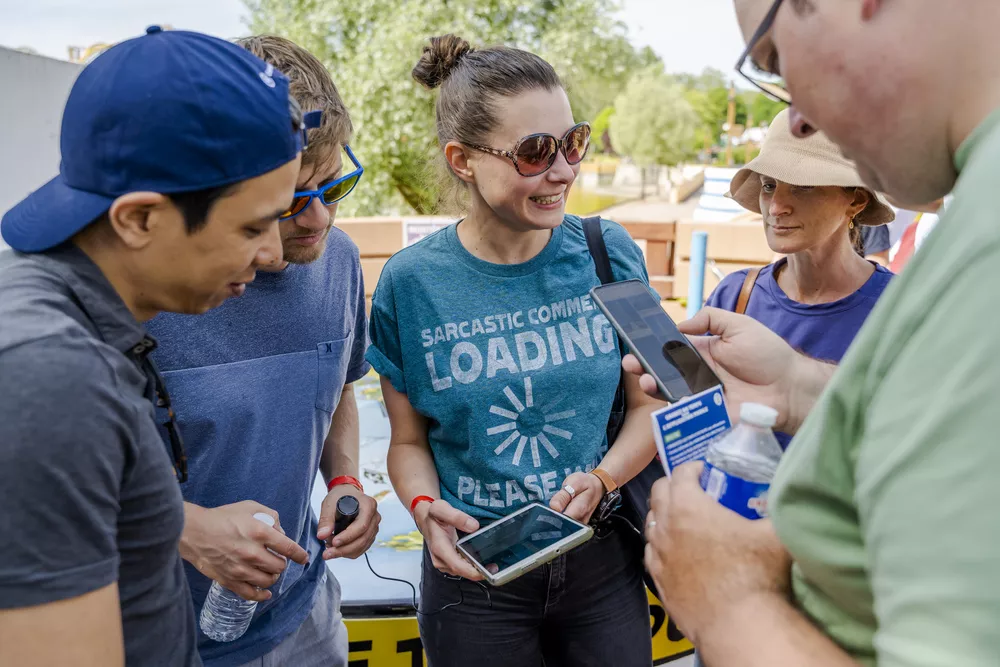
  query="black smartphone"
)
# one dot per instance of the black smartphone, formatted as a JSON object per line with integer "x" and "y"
{"x": 653, "y": 338}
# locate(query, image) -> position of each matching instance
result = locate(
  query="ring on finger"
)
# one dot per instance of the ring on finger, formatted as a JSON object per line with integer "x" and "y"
{"x": 570, "y": 490}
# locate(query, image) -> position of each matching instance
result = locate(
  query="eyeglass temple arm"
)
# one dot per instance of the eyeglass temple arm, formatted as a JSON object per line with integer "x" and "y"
{"x": 493, "y": 151}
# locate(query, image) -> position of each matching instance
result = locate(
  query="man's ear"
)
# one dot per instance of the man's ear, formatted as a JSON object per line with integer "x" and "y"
{"x": 134, "y": 216}
{"x": 457, "y": 156}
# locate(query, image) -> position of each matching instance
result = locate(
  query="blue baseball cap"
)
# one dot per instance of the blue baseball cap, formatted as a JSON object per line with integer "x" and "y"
{"x": 168, "y": 112}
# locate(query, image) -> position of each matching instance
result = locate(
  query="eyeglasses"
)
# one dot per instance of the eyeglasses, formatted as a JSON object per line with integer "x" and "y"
{"x": 329, "y": 194}
{"x": 536, "y": 153}
{"x": 173, "y": 432}
{"x": 767, "y": 78}
{"x": 141, "y": 351}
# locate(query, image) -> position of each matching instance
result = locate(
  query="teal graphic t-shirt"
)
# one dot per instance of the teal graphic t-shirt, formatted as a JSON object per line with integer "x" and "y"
{"x": 514, "y": 366}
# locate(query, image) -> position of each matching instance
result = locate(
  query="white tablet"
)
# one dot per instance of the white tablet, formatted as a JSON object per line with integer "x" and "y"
{"x": 520, "y": 542}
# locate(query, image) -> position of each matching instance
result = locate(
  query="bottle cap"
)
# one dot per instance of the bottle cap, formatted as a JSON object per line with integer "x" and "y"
{"x": 264, "y": 518}
{"x": 756, "y": 414}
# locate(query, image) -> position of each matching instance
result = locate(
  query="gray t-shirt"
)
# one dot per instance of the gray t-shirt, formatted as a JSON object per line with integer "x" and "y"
{"x": 88, "y": 494}
{"x": 876, "y": 239}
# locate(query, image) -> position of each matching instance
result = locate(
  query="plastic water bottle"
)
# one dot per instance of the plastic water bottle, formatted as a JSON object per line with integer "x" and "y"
{"x": 740, "y": 465}
{"x": 226, "y": 616}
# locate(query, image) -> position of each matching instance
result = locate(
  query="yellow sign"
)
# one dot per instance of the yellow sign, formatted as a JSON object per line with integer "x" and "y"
{"x": 395, "y": 642}
{"x": 668, "y": 642}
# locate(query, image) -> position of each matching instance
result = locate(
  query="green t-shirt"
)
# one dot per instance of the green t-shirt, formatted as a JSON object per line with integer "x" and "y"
{"x": 889, "y": 495}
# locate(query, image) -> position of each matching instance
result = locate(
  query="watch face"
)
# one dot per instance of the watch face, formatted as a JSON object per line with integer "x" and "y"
{"x": 607, "y": 506}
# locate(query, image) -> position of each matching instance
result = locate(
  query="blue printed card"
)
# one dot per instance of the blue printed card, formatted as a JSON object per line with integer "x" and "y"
{"x": 684, "y": 429}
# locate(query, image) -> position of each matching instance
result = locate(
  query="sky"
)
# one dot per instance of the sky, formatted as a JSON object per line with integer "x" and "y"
{"x": 688, "y": 34}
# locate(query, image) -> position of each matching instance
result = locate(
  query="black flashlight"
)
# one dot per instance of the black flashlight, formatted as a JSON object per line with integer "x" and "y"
{"x": 347, "y": 512}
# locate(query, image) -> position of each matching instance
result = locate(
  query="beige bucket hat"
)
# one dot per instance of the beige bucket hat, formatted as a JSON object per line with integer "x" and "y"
{"x": 814, "y": 162}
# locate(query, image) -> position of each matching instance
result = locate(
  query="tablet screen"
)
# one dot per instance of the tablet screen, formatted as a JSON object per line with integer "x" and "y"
{"x": 508, "y": 542}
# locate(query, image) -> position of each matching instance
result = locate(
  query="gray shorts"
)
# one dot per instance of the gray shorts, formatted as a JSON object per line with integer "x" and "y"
{"x": 321, "y": 640}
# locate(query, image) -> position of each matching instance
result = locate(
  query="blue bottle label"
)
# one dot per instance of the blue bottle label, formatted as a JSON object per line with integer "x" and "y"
{"x": 748, "y": 499}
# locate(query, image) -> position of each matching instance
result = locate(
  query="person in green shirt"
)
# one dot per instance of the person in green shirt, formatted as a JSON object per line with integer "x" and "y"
{"x": 882, "y": 547}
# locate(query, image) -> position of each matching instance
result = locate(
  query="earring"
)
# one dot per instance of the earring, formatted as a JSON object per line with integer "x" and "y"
{"x": 851, "y": 224}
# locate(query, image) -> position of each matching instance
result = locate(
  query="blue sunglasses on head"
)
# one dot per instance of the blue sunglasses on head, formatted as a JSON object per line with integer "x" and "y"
{"x": 329, "y": 194}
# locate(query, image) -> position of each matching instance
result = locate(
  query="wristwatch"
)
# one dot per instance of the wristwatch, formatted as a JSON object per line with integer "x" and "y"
{"x": 611, "y": 501}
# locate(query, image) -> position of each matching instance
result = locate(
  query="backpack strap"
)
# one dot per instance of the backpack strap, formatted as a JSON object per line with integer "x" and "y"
{"x": 748, "y": 285}
{"x": 599, "y": 251}
{"x": 635, "y": 492}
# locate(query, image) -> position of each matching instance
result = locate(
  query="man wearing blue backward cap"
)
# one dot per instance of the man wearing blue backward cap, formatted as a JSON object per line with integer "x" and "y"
{"x": 179, "y": 153}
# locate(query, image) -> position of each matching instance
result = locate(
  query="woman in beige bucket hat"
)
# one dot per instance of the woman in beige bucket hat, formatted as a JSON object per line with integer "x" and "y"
{"x": 813, "y": 203}
{"x": 815, "y": 163}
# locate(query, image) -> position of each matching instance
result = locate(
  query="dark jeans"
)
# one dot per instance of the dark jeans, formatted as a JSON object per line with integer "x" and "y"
{"x": 587, "y": 608}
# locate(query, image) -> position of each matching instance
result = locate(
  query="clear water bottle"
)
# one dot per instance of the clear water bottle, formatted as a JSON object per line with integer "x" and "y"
{"x": 226, "y": 616}
{"x": 739, "y": 466}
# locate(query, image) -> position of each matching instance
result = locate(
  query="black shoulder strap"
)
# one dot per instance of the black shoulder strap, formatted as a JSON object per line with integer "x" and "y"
{"x": 599, "y": 251}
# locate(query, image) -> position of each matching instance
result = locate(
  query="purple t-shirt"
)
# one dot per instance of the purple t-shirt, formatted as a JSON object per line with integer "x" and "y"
{"x": 822, "y": 331}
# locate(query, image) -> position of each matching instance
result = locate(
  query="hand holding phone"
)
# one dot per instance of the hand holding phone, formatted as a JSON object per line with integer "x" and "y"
{"x": 755, "y": 364}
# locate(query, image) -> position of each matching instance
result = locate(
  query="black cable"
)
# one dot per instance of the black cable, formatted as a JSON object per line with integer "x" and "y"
{"x": 416, "y": 608}
{"x": 628, "y": 523}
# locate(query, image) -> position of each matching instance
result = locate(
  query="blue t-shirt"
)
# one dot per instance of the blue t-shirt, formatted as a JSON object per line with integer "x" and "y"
{"x": 822, "y": 331}
{"x": 514, "y": 366}
{"x": 254, "y": 384}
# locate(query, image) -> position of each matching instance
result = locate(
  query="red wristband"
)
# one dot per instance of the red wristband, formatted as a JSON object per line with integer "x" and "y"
{"x": 345, "y": 479}
{"x": 419, "y": 499}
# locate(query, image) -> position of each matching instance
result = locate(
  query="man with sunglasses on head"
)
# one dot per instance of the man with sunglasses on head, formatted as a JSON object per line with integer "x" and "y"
{"x": 262, "y": 391}
{"x": 882, "y": 547}
{"x": 146, "y": 215}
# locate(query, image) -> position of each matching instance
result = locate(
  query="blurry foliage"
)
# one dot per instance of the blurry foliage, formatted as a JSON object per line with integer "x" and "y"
{"x": 370, "y": 46}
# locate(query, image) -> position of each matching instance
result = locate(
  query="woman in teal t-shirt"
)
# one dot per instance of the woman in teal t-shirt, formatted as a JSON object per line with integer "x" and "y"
{"x": 499, "y": 372}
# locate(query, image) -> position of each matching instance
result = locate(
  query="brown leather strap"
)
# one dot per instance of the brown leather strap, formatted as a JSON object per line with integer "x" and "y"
{"x": 744, "y": 298}
{"x": 606, "y": 479}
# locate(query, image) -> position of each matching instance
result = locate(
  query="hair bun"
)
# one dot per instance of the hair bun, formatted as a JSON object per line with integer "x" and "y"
{"x": 439, "y": 59}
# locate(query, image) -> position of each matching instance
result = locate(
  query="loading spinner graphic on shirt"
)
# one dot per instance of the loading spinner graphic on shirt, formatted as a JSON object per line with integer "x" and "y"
{"x": 529, "y": 426}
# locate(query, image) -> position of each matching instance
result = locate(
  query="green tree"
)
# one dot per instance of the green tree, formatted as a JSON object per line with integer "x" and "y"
{"x": 708, "y": 118}
{"x": 712, "y": 107}
{"x": 370, "y": 46}
{"x": 709, "y": 79}
{"x": 654, "y": 123}
{"x": 764, "y": 108}
{"x": 599, "y": 130}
